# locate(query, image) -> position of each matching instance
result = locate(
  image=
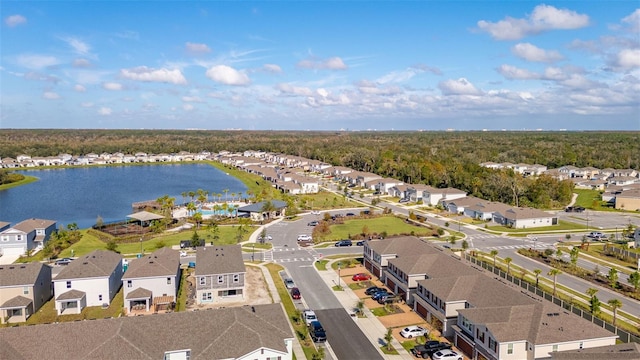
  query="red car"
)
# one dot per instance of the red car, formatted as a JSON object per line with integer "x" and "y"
{"x": 361, "y": 277}
{"x": 295, "y": 293}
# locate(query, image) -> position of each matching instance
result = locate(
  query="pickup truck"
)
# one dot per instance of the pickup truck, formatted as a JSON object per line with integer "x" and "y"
{"x": 316, "y": 331}
{"x": 429, "y": 348}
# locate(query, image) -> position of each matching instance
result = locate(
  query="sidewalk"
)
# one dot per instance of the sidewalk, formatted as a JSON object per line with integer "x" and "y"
{"x": 369, "y": 325}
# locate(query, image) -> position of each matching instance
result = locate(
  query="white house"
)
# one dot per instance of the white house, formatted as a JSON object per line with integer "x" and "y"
{"x": 90, "y": 280}
{"x": 151, "y": 282}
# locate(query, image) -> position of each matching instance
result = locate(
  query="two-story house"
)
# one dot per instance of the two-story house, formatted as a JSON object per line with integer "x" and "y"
{"x": 90, "y": 280}
{"x": 26, "y": 235}
{"x": 151, "y": 282}
{"x": 258, "y": 332}
{"x": 377, "y": 253}
{"x": 220, "y": 273}
{"x": 24, "y": 288}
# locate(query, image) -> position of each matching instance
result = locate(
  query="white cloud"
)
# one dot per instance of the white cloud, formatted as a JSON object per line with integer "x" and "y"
{"x": 143, "y": 73}
{"x": 112, "y": 86}
{"x": 86, "y": 104}
{"x": 37, "y": 62}
{"x": 295, "y": 90}
{"x": 191, "y": 99}
{"x": 370, "y": 88}
{"x": 81, "y": 63}
{"x": 628, "y": 59}
{"x": 543, "y": 18}
{"x": 79, "y": 88}
{"x": 34, "y": 75}
{"x": 197, "y": 49}
{"x": 227, "y": 75}
{"x": 272, "y": 68}
{"x": 554, "y": 73}
{"x": 633, "y": 20}
{"x": 50, "y": 95}
{"x": 15, "y": 20}
{"x": 79, "y": 46}
{"x": 531, "y": 52}
{"x": 187, "y": 107}
{"x": 105, "y": 111}
{"x": 458, "y": 87}
{"x": 334, "y": 63}
{"x": 511, "y": 72}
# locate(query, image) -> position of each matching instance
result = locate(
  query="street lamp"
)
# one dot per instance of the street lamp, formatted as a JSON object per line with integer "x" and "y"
{"x": 339, "y": 266}
{"x": 141, "y": 246}
{"x": 253, "y": 246}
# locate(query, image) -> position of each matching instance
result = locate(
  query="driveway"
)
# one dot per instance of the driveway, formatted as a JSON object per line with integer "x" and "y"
{"x": 8, "y": 259}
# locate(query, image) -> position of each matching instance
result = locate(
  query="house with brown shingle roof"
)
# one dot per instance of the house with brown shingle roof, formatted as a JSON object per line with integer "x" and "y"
{"x": 90, "y": 280}
{"x": 151, "y": 282}
{"x": 377, "y": 253}
{"x": 24, "y": 288}
{"x": 26, "y": 235}
{"x": 259, "y": 332}
{"x": 623, "y": 351}
{"x": 521, "y": 218}
{"x": 220, "y": 274}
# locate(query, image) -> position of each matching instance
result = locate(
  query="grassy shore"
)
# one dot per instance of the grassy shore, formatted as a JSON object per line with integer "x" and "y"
{"x": 27, "y": 180}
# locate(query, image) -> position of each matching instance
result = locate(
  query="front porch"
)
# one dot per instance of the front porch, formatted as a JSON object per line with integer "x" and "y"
{"x": 15, "y": 310}
{"x": 71, "y": 302}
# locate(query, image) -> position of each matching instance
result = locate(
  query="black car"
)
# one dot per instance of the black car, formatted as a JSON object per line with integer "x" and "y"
{"x": 316, "y": 331}
{"x": 313, "y": 223}
{"x": 429, "y": 348}
{"x": 360, "y": 243}
{"x": 577, "y": 209}
{"x": 372, "y": 290}
{"x": 344, "y": 243}
{"x": 351, "y": 214}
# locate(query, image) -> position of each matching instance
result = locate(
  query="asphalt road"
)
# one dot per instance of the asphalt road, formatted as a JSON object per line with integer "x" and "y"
{"x": 346, "y": 339}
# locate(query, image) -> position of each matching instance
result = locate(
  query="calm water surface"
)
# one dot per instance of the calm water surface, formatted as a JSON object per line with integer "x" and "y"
{"x": 80, "y": 195}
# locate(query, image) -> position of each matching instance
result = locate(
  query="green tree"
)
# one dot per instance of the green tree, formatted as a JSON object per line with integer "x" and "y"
{"x": 554, "y": 273}
{"x": 574, "y": 253}
{"x": 537, "y": 272}
{"x": 195, "y": 239}
{"x": 388, "y": 337}
{"x": 634, "y": 279}
{"x": 112, "y": 245}
{"x": 615, "y": 305}
{"x": 321, "y": 231}
{"x": 594, "y": 302}
{"x": 613, "y": 278}
{"x": 465, "y": 245}
{"x": 268, "y": 208}
{"x": 493, "y": 254}
{"x": 508, "y": 261}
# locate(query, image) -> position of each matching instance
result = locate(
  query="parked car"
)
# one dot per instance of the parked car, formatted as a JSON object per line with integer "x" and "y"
{"x": 429, "y": 348}
{"x": 316, "y": 331}
{"x": 309, "y": 316}
{"x": 597, "y": 235}
{"x": 295, "y": 293}
{"x": 304, "y": 237}
{"x": 387, "y": 299}
{"x": 413, "y": 331}
{"x": 268, "y": 237}
{"x": 361, "y": 277}
{"x": 315, "y": 212}
{"x": 404, "y": 200}
{"x": 351, "y": 214}
{"x": 344, "y": 243}
{"x": 372, "y": 290}
{"x": 289, "y": 283}
{"x": 183, "y": 253}
{"x": 64, "y": 261}
{"x": 446, "y": 354}
{"x": 380, "y": 294}
{"x": 578, "y": 209}
{"x": 360, "y": 243}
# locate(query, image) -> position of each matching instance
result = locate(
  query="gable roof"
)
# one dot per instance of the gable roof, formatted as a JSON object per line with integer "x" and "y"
{"x": 433, "y": 265}
{"x": 257, "y": 207}
{"x": 20, "y": 274}
{"x": 212, "y": 334}
{"x": 403, "y": 245}
{"x": 524, "y": 213}
{"x": 30, "y": 225}
{"x": 225, "y": 259}
{"x": 98, "y": 263}
{"x": 624, "y": 351}
{"x": 162, "y": 262}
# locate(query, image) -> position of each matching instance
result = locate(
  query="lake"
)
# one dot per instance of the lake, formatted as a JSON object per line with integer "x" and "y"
{"x": 80, "y": 195}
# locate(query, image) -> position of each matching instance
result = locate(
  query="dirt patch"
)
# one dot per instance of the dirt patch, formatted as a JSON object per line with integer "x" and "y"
{"x": 256, "y": 292}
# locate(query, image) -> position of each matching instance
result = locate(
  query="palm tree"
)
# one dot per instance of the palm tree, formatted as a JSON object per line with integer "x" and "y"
{"x": 226, "y": 193}
{"x": 537, "y": 272}
{"x": 239, "y": 195}
{"x": 233, "y": 196}
{"x": 268, "y": 208}
{"x": 615, "y": 305}
{"x": 388, "y": 337}
{"x": 508, "y": 260}
{"x": 493, "y": 254}
{"x": 554, "y": 273}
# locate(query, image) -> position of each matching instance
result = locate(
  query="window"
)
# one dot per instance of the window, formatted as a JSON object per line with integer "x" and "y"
{"x": 25, "y": 290}
{"x": 203, "y": 281}
{"x": 168, "y": 281}
{"x": 178, "y": 354}
{"x": 129, "y": 283}
{"x": 509, "y": 348}
{"x": 555, "y": 348}
{"x": 220, "y": 279}
{"x": 480, "y": 335}
{"x": 68, "y": 284}
{"x": 581, "y": 344}
{"x": 100, "y": 297}
{"x": 19, "y": 237}
{"x": 206, "y": 296}
{"x": 236, "y": 278}
{"x": 5, "y": 238}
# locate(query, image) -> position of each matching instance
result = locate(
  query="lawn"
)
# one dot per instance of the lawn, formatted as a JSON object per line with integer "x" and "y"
{"x": 325, "y": 200}
{"x": 27, "y": 179}
{"x": 562, "y": 225}
{"x": 390, "y": 225}
{"x": 47, "y": 313}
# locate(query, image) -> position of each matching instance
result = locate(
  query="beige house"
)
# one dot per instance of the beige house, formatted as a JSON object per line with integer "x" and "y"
{"x": 220, "y": 274}
{"x": 24, "y": 288}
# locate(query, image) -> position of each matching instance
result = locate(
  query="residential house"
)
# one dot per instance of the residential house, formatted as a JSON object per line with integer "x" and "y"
{"x": 151, "y": 282}
{"x": 258, "y": 332}
{"x": 521, "y": 218}
{"x": 383, "y": 185}
{"x": 623, "y": 180}
{"x": 458, "y": 206}
{"x": 258, "y": 212}
{"x": 4, "y": 226}
{"x": 377, "y": 253}
{"x": 90, "y": 280}
{"x": 220, "y": 273}
{"x": 628, "y": 200}
{"x": 434, "y": 196}
{"x": 364, "y": 177}
{"x": 622, "y": 351}
{"x": 24, "y": 288}
{"x": 26, "y": 235}
{"x": 415, "y": 192}
{"x": 484, "y": 210}
{"x": 399, "y": 191}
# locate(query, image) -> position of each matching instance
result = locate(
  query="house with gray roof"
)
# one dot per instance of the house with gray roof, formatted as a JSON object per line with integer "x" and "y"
{"x": 521, "y": 218}
{"x": 151, "y": 282}
{"x": 377, "y": 253}
{"x": 220, "y": 273}
{"x": 256, "y": 211}
{"x": 623, "y": 351}
{"x": 259, "y": 332}
{"x": 25, "y": 236}
{"x": 90, "y": 280}
{"x": 434, "y": 196}
{"x": 24, "y": 288}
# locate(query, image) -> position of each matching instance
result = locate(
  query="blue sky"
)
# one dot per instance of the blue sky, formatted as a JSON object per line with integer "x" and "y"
{"x": 320, "y": 65}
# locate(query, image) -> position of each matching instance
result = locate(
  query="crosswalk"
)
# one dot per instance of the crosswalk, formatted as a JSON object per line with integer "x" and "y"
{"x": 484, "y": 236}
{"x": 288, "y": 260}
{"x": 526, "y": 246}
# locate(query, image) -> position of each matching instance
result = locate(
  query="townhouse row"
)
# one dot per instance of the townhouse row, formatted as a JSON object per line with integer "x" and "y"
{"x": 150, "y": 283}
{"x": 484, "y": 316}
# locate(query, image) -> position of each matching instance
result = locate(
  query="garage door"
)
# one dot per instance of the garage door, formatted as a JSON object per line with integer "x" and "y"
{"x": 421, "y": 310}
{"x": 13, "y": 251}
{"x": 464, "y": 346}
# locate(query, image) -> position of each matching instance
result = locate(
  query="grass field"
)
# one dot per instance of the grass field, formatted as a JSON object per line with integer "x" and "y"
{"x": 27, "y": 179}
{"x": 390, "y": 224}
